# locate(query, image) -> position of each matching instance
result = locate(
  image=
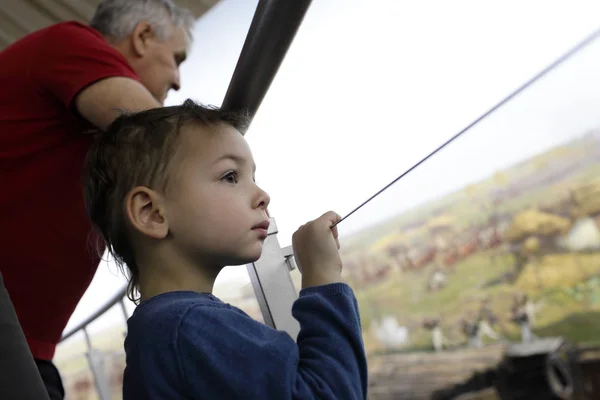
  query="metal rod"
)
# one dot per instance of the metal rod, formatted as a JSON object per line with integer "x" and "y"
{"x": 108, "y": 305}
{"x": 271, "y": 32}
{"x": 526, "y": 85}
{"x": 88, "y": 340}
{"x": 95, "y": 360}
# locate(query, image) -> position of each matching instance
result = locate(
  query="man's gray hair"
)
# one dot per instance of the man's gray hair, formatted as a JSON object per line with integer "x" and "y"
{"x": 116, "y": 19}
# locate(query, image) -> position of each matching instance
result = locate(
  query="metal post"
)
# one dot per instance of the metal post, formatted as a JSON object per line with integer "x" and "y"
{"x": 88, "y": 340}
{"x": 271, "y": 33}
{"x": 96, "y": 361}
{"x": 288, "y": 254}
{"x": 273, "y": 286}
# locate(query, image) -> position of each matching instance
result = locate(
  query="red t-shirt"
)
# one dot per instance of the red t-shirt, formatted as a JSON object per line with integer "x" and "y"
{"x": 46, "y": 256}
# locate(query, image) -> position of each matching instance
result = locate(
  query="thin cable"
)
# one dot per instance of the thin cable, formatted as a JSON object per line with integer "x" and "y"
{"x": 531, "y": 81}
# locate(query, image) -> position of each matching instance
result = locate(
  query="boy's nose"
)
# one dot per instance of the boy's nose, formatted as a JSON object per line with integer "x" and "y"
{"x": 263, "y": 199}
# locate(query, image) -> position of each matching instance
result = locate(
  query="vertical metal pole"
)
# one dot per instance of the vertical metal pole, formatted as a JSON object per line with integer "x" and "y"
{"x": 273, "y": 286}
{"x": 88, "y": 340}
{"x": 96, "y": 361}
{"x": 271, "y": 33}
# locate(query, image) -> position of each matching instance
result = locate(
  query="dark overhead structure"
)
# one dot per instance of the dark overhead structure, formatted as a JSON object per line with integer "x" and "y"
{"x": 273, "y": 29}
{"x": 19, "y": 17}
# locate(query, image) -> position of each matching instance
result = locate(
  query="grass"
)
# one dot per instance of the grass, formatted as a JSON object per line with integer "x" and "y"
{"x": 404, "y": 296}
{"x": 579, "y": 327}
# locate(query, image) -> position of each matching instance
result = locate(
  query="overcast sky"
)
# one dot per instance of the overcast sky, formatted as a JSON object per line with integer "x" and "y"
{"x": 371, "y": 86}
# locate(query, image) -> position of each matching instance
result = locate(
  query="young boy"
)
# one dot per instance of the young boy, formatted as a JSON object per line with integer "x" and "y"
{"x": 172, "y": 192}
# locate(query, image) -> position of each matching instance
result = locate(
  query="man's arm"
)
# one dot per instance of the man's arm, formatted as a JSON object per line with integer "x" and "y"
{"x": 77, "y": 67}
{"x": 103, "y": 101}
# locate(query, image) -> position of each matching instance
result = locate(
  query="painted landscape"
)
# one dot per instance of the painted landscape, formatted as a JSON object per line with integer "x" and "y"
{"x": 527, "y": 236}
{"x": 444, "y": 287}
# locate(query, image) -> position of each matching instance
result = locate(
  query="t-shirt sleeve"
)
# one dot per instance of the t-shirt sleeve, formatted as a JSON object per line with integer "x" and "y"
{"x": 71, "y": 57}
{"x": 225, "y": 354}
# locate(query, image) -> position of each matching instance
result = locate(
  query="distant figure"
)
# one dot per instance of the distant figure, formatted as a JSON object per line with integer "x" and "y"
{"x": 390, "y": 333}
{"x": 437, "y": 336}
{"x": 471, "y": 331}
{"x": 523, "y": 314}
{"x": 437, "y": 280}
{"x": 487, "y": 320}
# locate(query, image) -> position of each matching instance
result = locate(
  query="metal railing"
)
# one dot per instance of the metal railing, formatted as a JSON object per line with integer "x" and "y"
{"x": 96, "y": 359}
{"x": 117, "y": 298}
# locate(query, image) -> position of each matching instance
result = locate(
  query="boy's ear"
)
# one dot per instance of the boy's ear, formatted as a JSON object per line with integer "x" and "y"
{"x": 145, "y": 212}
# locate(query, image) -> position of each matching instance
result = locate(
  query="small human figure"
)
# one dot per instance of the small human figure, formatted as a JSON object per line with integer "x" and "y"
{"x": 487, "y": 320}
{"x": 437, "y": 280}
{"x": 523, "y": 314}
{"x": 437, "y": 336}
{"x": 470, "y": 329}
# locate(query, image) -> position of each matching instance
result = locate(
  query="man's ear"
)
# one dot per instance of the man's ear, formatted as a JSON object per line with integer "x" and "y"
{"x": 145, "y": 212}
{"x": 140, "y": 38}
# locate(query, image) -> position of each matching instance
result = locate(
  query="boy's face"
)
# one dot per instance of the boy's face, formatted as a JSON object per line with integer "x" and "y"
{"x": 216, "y": 212}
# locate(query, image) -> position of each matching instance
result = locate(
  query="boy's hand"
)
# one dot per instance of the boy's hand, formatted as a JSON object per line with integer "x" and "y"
{"x": 316, "y": 248}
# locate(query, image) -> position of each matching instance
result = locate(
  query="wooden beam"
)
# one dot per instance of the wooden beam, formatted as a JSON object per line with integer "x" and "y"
{"x": 56, "y": 10}
{"x": 25, "y": 16}
{"x": 197, "y": 7}
{"x": 5, "y": 39}
{"x": 9, "y": 27}
{"x": 84, "y": 8}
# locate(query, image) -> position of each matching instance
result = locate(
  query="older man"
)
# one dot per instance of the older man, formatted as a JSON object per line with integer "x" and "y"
{"x": 57, "y": 85}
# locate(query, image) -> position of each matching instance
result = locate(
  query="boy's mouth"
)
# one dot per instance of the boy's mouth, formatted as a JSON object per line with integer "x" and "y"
{"x": 262, "y": 227}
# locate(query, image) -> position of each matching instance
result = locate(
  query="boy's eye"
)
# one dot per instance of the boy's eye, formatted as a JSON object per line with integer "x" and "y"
{"x": 231, "y": 177}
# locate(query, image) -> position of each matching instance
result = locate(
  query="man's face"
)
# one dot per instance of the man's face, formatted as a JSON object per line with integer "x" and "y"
{"x": 215, "y": 210}
{"x": 158, "y": 69}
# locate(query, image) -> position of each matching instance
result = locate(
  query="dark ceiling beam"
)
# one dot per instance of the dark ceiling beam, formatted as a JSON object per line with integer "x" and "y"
{"x": 197, "y": 7}
{"x": 271, "y": 33}
{"x": 85, "y": 9}
{"x": 20, "y": 17}
{"x": 56, "y": 10}
{"x": 26, "y": 16}
{"x": 5, "y": 39}
{"x": 9, "y": 27}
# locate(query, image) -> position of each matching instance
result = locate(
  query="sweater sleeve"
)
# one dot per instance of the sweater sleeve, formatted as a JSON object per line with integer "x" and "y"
{"x": 223, "y": 353}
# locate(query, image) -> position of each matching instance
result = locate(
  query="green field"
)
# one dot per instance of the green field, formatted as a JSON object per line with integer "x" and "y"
{"x": 569, "y": 297}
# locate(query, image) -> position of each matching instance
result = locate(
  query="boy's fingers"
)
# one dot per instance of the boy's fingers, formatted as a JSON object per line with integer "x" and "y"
{"x": 331, "y": 217}
{"x": 334, "y": 230}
